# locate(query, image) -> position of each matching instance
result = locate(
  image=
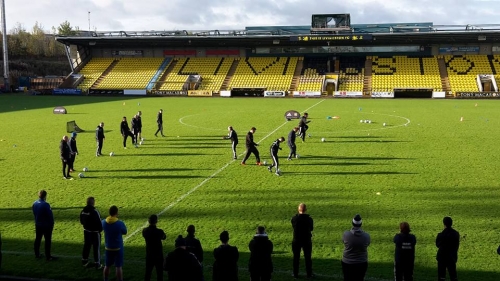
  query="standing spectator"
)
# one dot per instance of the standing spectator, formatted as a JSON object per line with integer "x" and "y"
{"x": 448, "y": 242}
{"x": 260, "y": 263}
{"x": 99, "y": 136}
{"x": 355, "y": 257}
{"x": 291, "y": 143}
{"x": 139, "y": 125}
{"x": 74, "y": 151}
{"x": 65, "y": 154}
{"x": 44, "y": 225}
{"x": 114, "y": 229}
{"x": 193, "y": 245}
{"x": 302, "y": 225}
{"x": 125, "y": 130}
{"x": 303, "y": 127}
{"x": 92, "y": 228}
{"x": 159, "y": 121}
{"x": 154, "y": 248}
{"x": 134, "y": 125}
{"x": 274, "y": 155}
{"x": 182, "y": 265}
{"x": 233, "y": 136}
{"x": 404, "y": 255}
{"x": 226, "y": 260}
{"x": 251, "y": 147}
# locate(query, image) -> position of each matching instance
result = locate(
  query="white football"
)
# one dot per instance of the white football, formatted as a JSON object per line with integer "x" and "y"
{"x": 360, "y": 121}
{"x": 142, "y": 139}
{"x": 81, "y": 175}
{"x": 369, "y": 121}
{"x": 140, "y": 143}
{"x": 111, "y": 153}
{"x": 265, "y": 162}
{"x": 85, "y": 169}
{"x": 323, "y": 139}
{"x": 385, "y": 124}
{"x": 297, "y": 156}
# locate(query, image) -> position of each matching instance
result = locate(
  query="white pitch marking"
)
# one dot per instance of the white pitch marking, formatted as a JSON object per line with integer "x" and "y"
{"x": 408, "y": 121}
{"x": 181, "y": 120}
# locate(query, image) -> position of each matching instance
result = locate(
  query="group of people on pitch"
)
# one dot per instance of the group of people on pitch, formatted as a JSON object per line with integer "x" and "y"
{"x": 251, "y": 146}
{"x": 134, "y": 131}
{"x": 68, "y": 151}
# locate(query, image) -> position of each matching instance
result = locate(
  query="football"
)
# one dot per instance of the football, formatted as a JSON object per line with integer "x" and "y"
{"x": 111, "y": 153}
{"x": 85, "y": 169}
{"x": 323, "y": 139}
{"x": 297, "y": 156}
{"x": 140, "y": 143}
{"x": 81, "y": 175}
{"x": 265, "y": 162}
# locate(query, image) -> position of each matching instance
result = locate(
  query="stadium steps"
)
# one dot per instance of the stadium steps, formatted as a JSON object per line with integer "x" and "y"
{"x": 159, "y": 72}
{"x": 218, "y": 67}
{"x": 104, "y": 74}
{"x": 296, "y": 75}
{"x": 229, "y": 76}
{"x": 445, "y": 81}
{"x": 160, "y": 81}
{"x": 367, "y": 80}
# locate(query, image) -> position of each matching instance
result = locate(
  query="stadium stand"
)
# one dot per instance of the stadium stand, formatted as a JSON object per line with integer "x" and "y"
{"x": 92, "y": 71}
{"x": 495, "y": 62}
{"x": 351, "y": 75}
{"x": 174, "y": 81}
{"x": 405, "y": 72}
{"x": 312, "y": 74}
{"x": 131, "y": 73}
{"x": 213, "y": 71}
{"x": 463, "y": 71}
{"x": 271, "y": 73}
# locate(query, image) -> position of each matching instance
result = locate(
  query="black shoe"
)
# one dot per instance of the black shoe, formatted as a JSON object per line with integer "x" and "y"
{"x": 270, "y": 169}
{"x": 85, "y": 262}
{"x": 289, "y": 159}
{"x": 156, "y": 135}
{"x": 51, "y": 258}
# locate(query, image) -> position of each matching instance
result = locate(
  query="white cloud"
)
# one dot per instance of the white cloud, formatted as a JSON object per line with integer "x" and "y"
{"x": 227, "y": 14}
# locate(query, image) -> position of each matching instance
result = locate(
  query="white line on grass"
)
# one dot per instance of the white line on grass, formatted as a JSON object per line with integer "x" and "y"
{"x": 181, "y": 120}
{"x": 204, "y": 181}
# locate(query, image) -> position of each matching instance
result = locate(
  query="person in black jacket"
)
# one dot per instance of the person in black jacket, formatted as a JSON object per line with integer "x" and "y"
{"x": 291, "y": 143}
{"x": 182, "y": 265}
{"x": 302, "y": 225}
{"x": 92, "y": 228}
{"x": 74, "y": 151}
{"x": 260, "y": 264}
{"x": 251, "y": 147}
{"x": 193, "y": 245}
{"x": 159, "y": 121}
{"x": 154, "y": 248}
{"x": 404, "y": 254}
{"x": 233, "y": 136}
{"x": 274, "y": 155}
{"x": 139, "y": 125}
{"x": 226, "y": 260}
{"x": 44, "y": 225}
{"x": 125, "y": 130}
{"x": 99, "y": 137}
{"x": 303, "y": 127}
{"x": 134, "y": 126}
{"x": 448, "y": 242}
{"x": 65, "y": 154}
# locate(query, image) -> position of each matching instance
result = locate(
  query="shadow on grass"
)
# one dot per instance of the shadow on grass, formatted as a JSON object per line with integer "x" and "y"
{"x": 162, "y": 154}
{"x": 354, "y": 158}
{"x": 335, "y": 164}
{"x": 18, "y": 256}
{"x": 152, "y": 177}
{"x": 367, "y": 141}
{"x": 151, "y": 170}
{"x": 349, "y": 173}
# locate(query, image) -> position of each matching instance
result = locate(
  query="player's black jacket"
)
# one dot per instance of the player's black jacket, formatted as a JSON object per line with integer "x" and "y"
{"x": 291, "y": 138}
{"x": 72, "y": 145}
{"x": 91, "y": 219}
{"x": 65, "y": 150}
{"x": 153, "y": 236}
{"x": 448, "y": 242}
{"x": 193, "y": 245}
{"x": 249, "y": 140}
{"x": 233, "y": 136}
{"x": 135, "y": 125}
{"x": 124, "y": 128}
{"x": 99, "y": 133}
{"x": 139, "y": 122}
{"x": 303, "y": 121}
{"x": 159, "y": 118}
{"x": 302, "y": 226}
{"x": 405, "y": 247}
{"x": 275, "y": 147}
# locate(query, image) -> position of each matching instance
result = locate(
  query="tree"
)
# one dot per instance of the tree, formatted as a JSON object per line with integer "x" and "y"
{"x": 65, "y": 29}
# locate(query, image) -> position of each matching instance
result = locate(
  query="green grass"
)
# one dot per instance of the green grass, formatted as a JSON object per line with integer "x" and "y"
{"x": 433, "y": 167}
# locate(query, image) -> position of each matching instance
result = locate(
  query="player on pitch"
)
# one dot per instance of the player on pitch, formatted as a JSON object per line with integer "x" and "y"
{"x": 274, "y": 155}
{"x": 233, "y": 136}
{"x": 303, "y": 126}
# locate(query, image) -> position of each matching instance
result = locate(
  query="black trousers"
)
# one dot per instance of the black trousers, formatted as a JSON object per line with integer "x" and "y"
{"x": 355, "y": 271}
{"x": 306, "y": 246}
{"x": 99, "y": 147}
{"x": 293, "y": 151}
{"x": 251, "y": 150}
{"x": 276, "y": 161}
{"x": 302, "y": 132}
{"x": 45, "y": 232}
{"x": 233, "y": 147}
{"x": 154, "y": 262}
{"x": 66, "y": 164}
{"x": 260, "y": 276}
{"x": 72, "y": 161}
{"x": 403, "y": 270}
{"x": 134, "y": 137}
{"x": 452, "y": 270}
{"x": 160, "y": 129}
{"x": 125, "y": 136}
{"x": 91, "y": 240}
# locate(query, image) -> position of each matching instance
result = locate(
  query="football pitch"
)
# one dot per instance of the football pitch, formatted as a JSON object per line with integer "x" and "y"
{"x": 423, "y": 165}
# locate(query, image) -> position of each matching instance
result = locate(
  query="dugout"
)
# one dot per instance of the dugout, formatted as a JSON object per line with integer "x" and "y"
{"x": 424, "y": 93}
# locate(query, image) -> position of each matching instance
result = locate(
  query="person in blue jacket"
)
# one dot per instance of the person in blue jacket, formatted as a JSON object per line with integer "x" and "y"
{"x": 114, "y": 229}
{"x": 44, "y": 225}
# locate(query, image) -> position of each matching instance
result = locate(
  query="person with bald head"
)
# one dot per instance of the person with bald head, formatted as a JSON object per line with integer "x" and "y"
{"x": 65, "y": 154}
{"x": 302, "y": 225}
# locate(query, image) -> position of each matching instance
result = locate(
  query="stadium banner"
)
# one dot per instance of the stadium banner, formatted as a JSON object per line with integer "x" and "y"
{"x": 438, "y": 95}
{"x": 168, "y": 93}
{"x": 134, "y": 92}
{"x": 292, "y": 114}
{"x": 225, "y": 93}
{"x": 66, "y": 91}
{"x": 343, "y": 94}
{"x": 354, "y": 37}
{"x": 477, "y": 95}
{"x": 127, "y": 53}
{"x": 197, "y": 93}
{"x": 298, "y": 94}
{"x": 472, "y": 49}
{"x": 386, "y": 95}
{"x": 105, "y": 92}
{"x": 275, "y": 94}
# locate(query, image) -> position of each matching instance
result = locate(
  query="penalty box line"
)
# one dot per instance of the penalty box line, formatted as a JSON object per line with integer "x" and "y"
{"x": 182, "y": 197}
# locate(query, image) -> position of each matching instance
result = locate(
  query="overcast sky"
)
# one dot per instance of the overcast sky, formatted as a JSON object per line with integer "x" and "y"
{"x": 141, "y": 15}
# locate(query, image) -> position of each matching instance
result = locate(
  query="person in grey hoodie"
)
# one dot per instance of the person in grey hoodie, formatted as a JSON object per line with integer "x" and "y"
{"x": 355, "y": 257}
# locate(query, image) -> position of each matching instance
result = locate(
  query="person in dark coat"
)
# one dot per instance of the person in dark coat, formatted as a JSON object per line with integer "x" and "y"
{"x": 139, "y": 125}
{"x": 181, "y": 264}
{"x": 125, "y": 130}
{"x": 291, "y": 143}
{"x": 226, "y": 260}
{"x": 303, "y": 127}
{"x": 404, "y": 254}
{"x": 90, "y": 219}
{"x": 134, "y": 126}
{"x": 65, "y": 154}
{"x": 251, "y": 147}
{"x": 159, "y": 122}
{"x": 448, "y": 242}
{"x": 74, "y": 151}
{"x": 193, "y": 245}
{"x": 99, "y": 137}
{"x": 154, "y": 248}
{"x": 302, "y": 225}
{"x": 233, "y": 136}
{"x": 44, "y": 225}
{"x": 260, "y": 264}
{"x": 275, "y": 147}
